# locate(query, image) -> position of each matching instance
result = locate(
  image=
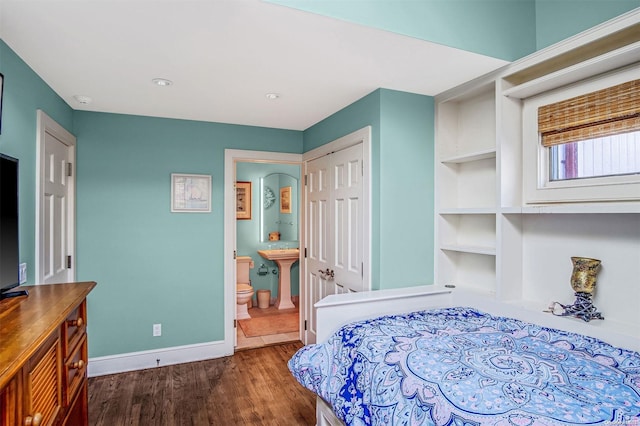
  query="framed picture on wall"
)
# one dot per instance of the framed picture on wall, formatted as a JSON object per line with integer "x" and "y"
{"x": 243, "y": 200}
{"x": 285, "y": 199}
{"x": 1, "y": 86}
{"x": 190, "y": 193}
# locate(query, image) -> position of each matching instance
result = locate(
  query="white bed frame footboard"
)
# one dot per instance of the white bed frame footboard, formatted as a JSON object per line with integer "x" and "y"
{"x": 336, "y": 310}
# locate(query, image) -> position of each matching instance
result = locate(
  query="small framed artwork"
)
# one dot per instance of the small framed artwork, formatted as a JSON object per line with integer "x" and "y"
{"x": 243, "y": 200}
{"x": 285, "y": 199}
{"x": 1, "y": 86}
{"x": 190, "y": 193}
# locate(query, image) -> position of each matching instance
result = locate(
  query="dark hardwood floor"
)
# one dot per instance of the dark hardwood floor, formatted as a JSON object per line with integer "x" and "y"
{"x": 252, "y": 387}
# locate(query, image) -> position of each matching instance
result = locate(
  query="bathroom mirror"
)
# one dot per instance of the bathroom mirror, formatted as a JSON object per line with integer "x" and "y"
{"x": 279, "y": 214}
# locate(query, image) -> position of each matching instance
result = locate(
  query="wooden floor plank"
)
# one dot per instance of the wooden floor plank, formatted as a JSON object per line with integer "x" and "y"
{"x": 252, "y": 387}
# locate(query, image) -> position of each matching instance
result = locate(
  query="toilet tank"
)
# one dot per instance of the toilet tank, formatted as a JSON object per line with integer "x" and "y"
{"x": 243, "y": 264}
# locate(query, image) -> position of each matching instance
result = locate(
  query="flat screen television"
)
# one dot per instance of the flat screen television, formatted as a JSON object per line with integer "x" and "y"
{"x": 9, "y": 240}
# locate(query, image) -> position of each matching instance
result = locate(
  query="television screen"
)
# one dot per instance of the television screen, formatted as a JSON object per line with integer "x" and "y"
{"x": 9, "y": 242}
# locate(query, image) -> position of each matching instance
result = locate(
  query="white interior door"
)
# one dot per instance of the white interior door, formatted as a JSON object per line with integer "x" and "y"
{"x": 347, "y": 190}
{"x": 318, "y": 193}
{"x": 56, "y": 201}
{"x": 335, "y": 211}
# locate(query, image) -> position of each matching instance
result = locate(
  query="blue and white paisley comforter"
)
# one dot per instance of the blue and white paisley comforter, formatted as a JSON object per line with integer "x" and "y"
{"x": 459, "y": 366}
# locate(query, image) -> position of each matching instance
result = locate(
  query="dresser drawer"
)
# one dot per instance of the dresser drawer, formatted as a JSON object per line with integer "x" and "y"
{"x": 10, "y": 408}
{"x": 74, "y": 329}
{"x": 75, "y": 371}
{"x": 42, "y": 391}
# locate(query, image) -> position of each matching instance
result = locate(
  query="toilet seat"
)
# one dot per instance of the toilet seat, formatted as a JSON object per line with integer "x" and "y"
{"x": 244, "y": 288}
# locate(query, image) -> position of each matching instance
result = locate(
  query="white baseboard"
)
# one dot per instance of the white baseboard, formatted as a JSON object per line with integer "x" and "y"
{"x": 131, "y": 361}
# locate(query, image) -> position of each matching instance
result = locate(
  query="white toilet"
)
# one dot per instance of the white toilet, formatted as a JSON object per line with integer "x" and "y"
{"x": 244, "y": 291}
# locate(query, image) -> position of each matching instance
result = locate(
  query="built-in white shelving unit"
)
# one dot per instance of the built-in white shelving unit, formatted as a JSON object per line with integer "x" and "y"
{"x": 487, "y": 237}
{"x": 467, "y": 192}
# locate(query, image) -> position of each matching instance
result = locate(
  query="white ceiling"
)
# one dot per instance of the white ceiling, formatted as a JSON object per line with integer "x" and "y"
{"x": 223, "y": 57}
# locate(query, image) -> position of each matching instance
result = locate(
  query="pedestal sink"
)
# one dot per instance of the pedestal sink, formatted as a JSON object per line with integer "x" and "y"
{"x": 284, "y": 258}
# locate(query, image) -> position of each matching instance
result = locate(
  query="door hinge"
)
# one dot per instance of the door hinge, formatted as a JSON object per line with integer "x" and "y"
{"x": 234, "y": 255}
{"x": 305, "y": 325}
{"x": 362, "y": 270}
{"x": 305, "y": 252}
{"x": 305, "y": 180}
{"x": 235, "y": 323}
{"x": 69, "y": 169}
{"x": 68, "y": 262}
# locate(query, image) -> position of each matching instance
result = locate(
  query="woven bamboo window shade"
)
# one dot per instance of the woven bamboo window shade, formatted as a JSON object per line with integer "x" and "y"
{"x": 606, "y": 112}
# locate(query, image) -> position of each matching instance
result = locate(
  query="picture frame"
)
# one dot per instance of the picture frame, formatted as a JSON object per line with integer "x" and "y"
{"x": 243, "y": 200}
{"x": 190, "y": 193}
{"x": 285, "y": 199}
{"x": 1, "y": 92}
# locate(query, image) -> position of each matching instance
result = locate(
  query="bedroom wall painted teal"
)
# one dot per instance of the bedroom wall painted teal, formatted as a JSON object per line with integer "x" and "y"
{"x": 557, "y": 20}
{"x": 151, "y": 265}
{"x": 402, "y": 173}
{"x": 503, "y": 29}
{"x": 24, "y": 93}
{"x": 406, "y": 189}
{"x": 362, "y": 113}
{"x": 248, "y": 231}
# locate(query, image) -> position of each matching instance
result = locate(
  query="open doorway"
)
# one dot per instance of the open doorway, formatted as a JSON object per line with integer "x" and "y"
{"x": 263, "y": 215}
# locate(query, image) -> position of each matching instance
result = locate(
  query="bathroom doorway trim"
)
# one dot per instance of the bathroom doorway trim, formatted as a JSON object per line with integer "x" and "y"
{"x": 231, "y": 157}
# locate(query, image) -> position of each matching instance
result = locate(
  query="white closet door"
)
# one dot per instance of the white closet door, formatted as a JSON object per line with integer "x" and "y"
{"x": 334, "y": 228}
{"x": 347, "y": 220}
{"x": 318, "y": 238}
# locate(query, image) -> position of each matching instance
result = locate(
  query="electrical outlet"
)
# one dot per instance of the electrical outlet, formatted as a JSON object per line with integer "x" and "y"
{"x": 157, "y": 330}
{"x": 23, "y": 273}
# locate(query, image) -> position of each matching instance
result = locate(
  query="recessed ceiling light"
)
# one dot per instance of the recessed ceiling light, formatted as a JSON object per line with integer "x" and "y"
{"x": 162, "y": 82}
{"x": 272, "y": 96}
{"x": 85, "y": 100}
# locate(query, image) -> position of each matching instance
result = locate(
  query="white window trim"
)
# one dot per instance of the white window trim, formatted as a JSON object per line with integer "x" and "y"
{"x": 537, "y": 186}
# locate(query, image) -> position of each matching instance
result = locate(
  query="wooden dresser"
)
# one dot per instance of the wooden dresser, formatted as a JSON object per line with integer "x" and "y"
{"x": 43, "y": 356}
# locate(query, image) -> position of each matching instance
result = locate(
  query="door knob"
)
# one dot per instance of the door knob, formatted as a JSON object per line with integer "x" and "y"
{"x": 327, "y": 274}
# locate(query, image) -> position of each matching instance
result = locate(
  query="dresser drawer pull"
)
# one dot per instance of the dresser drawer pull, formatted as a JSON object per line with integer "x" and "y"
{"x": 34, "y": 420}
{"x": 78, "y": 365}
{"x": 75, "y": 323}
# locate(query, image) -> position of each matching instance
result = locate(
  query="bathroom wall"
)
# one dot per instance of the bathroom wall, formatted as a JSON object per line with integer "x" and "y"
{"x": 248, "y": 232}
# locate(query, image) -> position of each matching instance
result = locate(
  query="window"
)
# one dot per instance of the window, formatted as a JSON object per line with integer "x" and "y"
{"x": 615, "y": 155}
{"x": 582, "y": 143}
{"x": 594, "y": 134}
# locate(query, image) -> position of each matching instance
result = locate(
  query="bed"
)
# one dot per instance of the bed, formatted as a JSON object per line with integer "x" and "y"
{"x": 458, "y": 365}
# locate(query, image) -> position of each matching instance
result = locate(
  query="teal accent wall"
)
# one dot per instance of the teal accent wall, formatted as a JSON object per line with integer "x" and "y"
{"x": 152, "y": 265}
{"x": 362, "y": 113}
{"x": 406, "y": 189}
{"x": 557, "y": 20}
{"x": 402, "y": 181}
{"x": 503, "y": 29}
{"x": 248, "y": 240}
{"x": 24, "y": 93}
